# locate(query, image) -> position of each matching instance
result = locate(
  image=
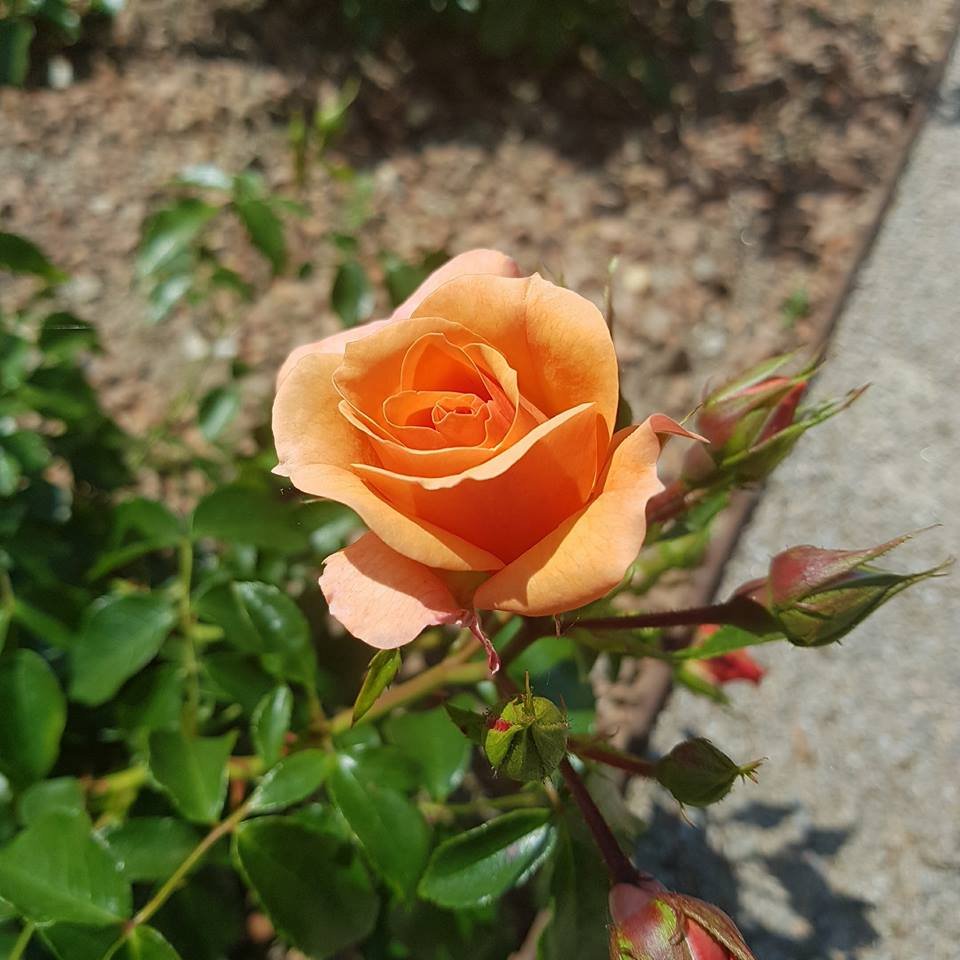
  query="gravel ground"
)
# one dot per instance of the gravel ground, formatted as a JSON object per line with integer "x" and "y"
{"x": 849, "y": 847}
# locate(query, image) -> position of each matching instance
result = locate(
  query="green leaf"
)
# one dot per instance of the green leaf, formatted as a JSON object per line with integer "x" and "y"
{"x": 14, "y": 363}
{"x": 16, "y": 35}
{"x": 264, "y": 228}
{"x": 270, "y": 723}
{"x": 153, "y": 700}
{"x": 192, "y": 771}
{"x": 34, "y": 715}
{"x": 579, "y": 887}
{"x": 19, "y": 255}
{"x": 120, "y": 636}
{"x": 169, "y": 233}
{"x": 725, "y": 640}
{"x": 10, "y": 473}
{"x": 149, "y": 849}
{"x": 63, "y": 336}
{"x": 70, "y": 941}
{"x": 237, "y": 679}
{"x": 55, "y": 871}
{"x": 42, "y": 625}
{"x": 29, "y": 448}
{"x": 435, "y": 744}
{"x": 241, "y": 515}
{"x": 317, "y": 895}
{"x": 282, "y": 630}
{"x": 383, "y": 668}
{"x": 39, "y": 799}
{"x": 148, "y": 518}
{"x": 167, "y": 293}
{"x": 390, "y": 828}
{"x": 482, "y": 864}
{"x": 293, "y": 779}
{"x": 351, "y": 295}
{"x": 217, "y": 409}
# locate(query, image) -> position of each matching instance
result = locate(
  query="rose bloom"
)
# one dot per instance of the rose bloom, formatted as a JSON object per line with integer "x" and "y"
{"x": 473, "y": 432}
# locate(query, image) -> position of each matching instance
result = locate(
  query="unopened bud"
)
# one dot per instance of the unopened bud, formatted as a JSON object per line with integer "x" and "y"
{"x": 698, "y": 773}
{"x": 753, "y": 423}
{"x": 818, "y": 596}
{"x": 526, "y": 738}
{"x": 651, "y": 923}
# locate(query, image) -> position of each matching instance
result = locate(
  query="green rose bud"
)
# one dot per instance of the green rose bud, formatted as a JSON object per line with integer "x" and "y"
{"x": 698, "y": 773}
{"x": 526, "y": 738}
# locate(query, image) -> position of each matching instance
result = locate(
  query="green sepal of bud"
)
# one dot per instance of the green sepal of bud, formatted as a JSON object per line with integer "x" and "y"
{"x": 526, "y": 737}
{"x": 697, "y": 773}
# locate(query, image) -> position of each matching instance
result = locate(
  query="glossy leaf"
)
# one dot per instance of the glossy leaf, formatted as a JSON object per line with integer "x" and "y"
{"x": 383, "y": 668}
{"x": 34, "y": 714}
{"x": 293, "y": 779}
{"x": 169, "y": 232}
{"x": 55, "y": 871}
{"x": 47, "y": 796}
{"x": 482, "y": 864}
{"x": 205, "y": 175}
{"x": 217, "y": 410}
{"x": 238, "y": 514}
{"x": 192, "y": 771}
{"x": 264, "y": 228}
{"x": 318, "y": 895}
{"x": 270, "y": 723}
{"x": 120, "y": 636}
{"x": 69, "y": 941}
{"x": 351, "y": 295}
{"x": 19, "y": 255}
{"x": 63, "y": 336}
{"x": 149, "y": 849}
{"x": 433, "y": 742}
{"x": 390, "y": 828}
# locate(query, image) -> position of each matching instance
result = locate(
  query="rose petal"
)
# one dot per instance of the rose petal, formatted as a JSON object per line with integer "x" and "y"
{"x": 588, "y": 554}
{"x": 473, "y": 261}
{"x": 307, "y": 424}
{"x": 382, "y": 597}
{"x": 513, "y": 500}
{"x": 416, "y": 539}
{"x": 478, "y": 261}
{"x": 556, "y": 340}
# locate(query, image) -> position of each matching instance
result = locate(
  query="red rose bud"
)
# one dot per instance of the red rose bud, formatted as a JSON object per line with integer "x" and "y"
{"x": 727, "y": 667}
{"x": 651, "y": 923}
{"x": 526, "y": 738}
{"x": 754, "y": 422}
{"x": 818, "y": 596}
{"x": 698, "y": 773}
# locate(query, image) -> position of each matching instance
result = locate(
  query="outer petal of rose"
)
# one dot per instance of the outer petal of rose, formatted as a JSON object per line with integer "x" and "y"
{"x": 473, "y": 261}
{"x": 588, "y": 554}
{"x": 415, "y": 539}
{"x": 556, "y": 340}
{"x": 334, "y": 345}
{"x": 478, "y": 261}
{"x": 307, "y": 424}
{"x": 382, "y": 597}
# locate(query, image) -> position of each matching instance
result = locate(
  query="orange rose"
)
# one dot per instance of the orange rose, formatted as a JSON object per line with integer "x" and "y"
{"x": 473, "y": 432}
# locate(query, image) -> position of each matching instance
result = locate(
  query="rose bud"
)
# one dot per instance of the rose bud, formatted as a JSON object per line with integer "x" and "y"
{"x": 753, "y": 423}
{"x": 698, "y": 773}
{"x": 727, "y": 667}
{"x": 818, "y": 596}
{"x": 651, "y": 923}
{"x": 527, "y": 738}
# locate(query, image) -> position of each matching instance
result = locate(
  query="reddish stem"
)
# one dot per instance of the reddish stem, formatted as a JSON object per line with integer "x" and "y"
{"x": 612, "y": 758}
{"x": 620, "y": 868}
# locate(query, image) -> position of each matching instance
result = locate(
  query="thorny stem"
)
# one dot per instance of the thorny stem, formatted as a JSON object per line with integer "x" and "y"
{"x": 739, "y": 612}
{"x": 619, "y": 867}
